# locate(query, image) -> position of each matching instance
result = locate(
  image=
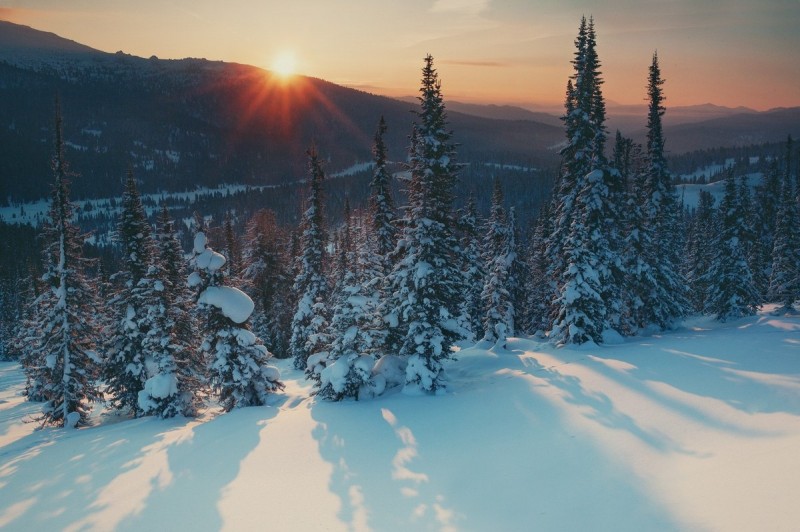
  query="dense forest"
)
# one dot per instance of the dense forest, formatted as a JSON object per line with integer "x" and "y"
{"x": 384, "y": 270}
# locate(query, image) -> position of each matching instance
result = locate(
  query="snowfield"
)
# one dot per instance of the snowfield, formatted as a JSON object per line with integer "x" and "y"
{"x": 697, "y": 429}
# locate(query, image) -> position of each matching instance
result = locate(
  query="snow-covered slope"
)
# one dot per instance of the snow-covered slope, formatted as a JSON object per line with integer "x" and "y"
{"x": 698, "y": 429}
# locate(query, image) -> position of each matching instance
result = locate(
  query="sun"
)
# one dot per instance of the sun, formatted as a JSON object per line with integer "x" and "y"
{"x": 284, "y": 64}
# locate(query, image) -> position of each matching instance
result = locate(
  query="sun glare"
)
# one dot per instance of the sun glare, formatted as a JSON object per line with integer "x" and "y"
{"x": 284, "y": 64}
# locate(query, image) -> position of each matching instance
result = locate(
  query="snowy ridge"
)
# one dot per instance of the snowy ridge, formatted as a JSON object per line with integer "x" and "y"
{"x": 692, "y": 430}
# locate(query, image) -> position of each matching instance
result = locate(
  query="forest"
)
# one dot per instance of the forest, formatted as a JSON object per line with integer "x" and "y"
{"x": 373, "y": 283}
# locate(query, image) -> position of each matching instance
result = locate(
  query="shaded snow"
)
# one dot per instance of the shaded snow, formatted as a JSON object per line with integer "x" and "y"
{"x": 696, "y": 429}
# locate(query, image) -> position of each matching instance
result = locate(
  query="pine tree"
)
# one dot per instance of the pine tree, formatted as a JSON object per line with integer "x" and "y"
{"x": 700, "y": 251}
{"x": 768, "y": 198}
{"x": 125, "y": 370}
{"x": 177, "y": 371}
{"x": 62, "y": 363}
{"x": 540, "y": 286}
{"x": 732, "y": 290}
{"x": 310, "y": 321}
{"x": 381, "y": 204}
{"x": 588, "y": 267}
{"x": 472, "y": 267}
{"x": 232, "y": 250}
{"x": 345, "y": 369}
{"x": 660, "y": 299}
{"x": 238, "y": 361}
{"x": 425, "y": 283}
{"x": 268, "y": 280}
{"x": 498, "y": 321}
{"x": 784, "y": 286}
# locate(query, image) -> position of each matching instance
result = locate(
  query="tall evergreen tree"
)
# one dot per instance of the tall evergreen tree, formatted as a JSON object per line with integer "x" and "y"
{"x": 381, "y": 204}
{"x": 590, "y": 277}
{"x": 540, "y": 286}
{"x": 425, "y": 283}
{"x": 784, "y": 286}
{"x": 126, "y": 369}
{"x": 498, "y": 305}
{"x": 472, "y": 267}
{"x": 660, "y": 292}
{"x": 268, "y": 279}
{"x": 62, "y": 363}
{"x": 768, "y": 199}
{"x": 732, "y": 290}
{"x": 310, "y": 321}
{"x": 700, "y": 251}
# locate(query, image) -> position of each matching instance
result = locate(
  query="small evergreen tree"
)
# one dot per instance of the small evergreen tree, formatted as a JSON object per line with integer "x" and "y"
{"x": 310, "y": 321}
{"x": 732, "y": 290}
{"x": 381, "y": 204}
{"x": 238, "y": 361}
{"x": 498, "y": 306}
{"x": 784, "y": 286}
{"x": 472, "y": 267}
{"x": 126, "y": 369}
{"x": 700, "y": 251}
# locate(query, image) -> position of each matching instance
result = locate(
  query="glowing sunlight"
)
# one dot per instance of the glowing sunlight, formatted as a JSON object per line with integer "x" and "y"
{"x": 284, "y": 64}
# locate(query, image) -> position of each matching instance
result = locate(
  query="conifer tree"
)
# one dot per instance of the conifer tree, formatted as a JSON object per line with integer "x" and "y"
{"x": 238, "y": 361}
{"x": 700, "y": 251}
{"x": 345, "y": 369}
{"x": 176, "y": 373}
{"x": 472, "y": 267}
{"x": 425, "y": 283}
{"x": 768, "y": 198}
{"x": 784, "y": 286}
{"x": 498, "y": 306}
{"x": 125, "y": 370}
{"x": 62, "y": 362}
{"x": 589, "y": 296}
{"x": 381, "y": 204}
{"x": 310, "y": 322}
{"x": 540, "y": 286}
{"x": 268, "y": 280}
{"x": 732, "y": 290}
{"x": 660, "y": 299}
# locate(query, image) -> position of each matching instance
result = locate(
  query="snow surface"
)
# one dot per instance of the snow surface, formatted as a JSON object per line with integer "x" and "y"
{"x": 697, "y": 429}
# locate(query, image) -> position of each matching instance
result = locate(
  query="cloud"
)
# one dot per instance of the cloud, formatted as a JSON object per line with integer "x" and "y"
{"x": 493, "y": 64}
{"x": 470, "y": 7}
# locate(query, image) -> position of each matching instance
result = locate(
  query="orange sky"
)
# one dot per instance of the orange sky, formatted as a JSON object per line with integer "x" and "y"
{"x": 728, "y": 52}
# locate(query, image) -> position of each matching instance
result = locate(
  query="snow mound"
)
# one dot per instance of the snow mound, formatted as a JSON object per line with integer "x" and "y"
{"x": 233, "y": 303}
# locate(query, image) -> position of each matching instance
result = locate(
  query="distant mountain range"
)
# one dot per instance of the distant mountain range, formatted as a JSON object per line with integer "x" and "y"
{"x": 192, "y": 122}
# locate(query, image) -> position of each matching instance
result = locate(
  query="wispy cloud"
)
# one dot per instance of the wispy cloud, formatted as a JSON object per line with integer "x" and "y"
{"x": 470, "y": 7}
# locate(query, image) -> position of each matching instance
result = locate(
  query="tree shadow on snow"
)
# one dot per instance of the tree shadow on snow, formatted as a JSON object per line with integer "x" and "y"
{"x": 139, "y": 474}
{"x": 476, "y": 460}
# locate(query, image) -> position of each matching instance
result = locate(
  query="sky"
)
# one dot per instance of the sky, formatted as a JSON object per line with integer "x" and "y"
{"x": 727, "y": 52}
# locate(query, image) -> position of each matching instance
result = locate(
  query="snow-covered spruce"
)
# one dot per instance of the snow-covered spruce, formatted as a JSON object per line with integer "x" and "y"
{"x": 425, "y": 284}
{"x": 310, "y": 322}
{"x": 498, "y": 321}
{"x": 125, "y": 369}
{"x": 345, "y": 370}
{"x": 238, "y": 361}
{"x": 176, "y": 372}
{"x": 62, "y": 366}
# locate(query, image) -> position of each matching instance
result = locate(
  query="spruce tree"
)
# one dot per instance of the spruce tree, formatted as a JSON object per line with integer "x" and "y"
{"x": 540, "y": 286}
{"x": 125, "y": 370}
{"x": 381, "y": 204}
{"x": 498, "y": 321}
{"x": 425, "y": 283}
{"x": 176, "y": 373}
{"x": 700, "y": 251}
{"x": 589, "y": 273}
{"x": 268, "y": 280}
{"x": 661, "y": 288}
{"x": 472, "y": 267}
{"x": 768, "y": 199}
{"x": 63, "y": 363}
{"x": 784, "y": 286}
{"x": 238, "y": 361}
{"x": 345, "y": 369}
{"x": 732, "y": 290}
{"x": 310, "y": 321}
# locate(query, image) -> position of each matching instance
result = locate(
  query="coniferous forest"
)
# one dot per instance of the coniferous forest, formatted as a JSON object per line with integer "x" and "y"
{"x": 377, "y": 290}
